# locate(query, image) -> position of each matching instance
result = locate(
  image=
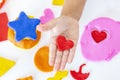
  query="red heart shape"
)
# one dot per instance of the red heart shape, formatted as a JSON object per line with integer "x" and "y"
{"x": 98, "y": 36}
{"x": 63, "y": 44}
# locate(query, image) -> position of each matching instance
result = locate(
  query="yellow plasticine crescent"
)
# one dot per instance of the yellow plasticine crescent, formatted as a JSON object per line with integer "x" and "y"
{"x": 59, "y": 75}
{"x": 58, "y": 2}
{"x": 5, "y": 65}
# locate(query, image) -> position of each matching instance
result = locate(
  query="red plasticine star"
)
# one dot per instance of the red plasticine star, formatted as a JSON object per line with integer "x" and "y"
{"x": 79, "y": 75}
{"x": 3, "y": 26}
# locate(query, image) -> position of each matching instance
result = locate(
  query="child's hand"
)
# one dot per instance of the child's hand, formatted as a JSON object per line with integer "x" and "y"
{"x": 67, "y": 27}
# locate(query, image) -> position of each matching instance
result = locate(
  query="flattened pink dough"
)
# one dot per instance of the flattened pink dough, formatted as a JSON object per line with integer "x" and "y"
{"x": 107, "y": 48}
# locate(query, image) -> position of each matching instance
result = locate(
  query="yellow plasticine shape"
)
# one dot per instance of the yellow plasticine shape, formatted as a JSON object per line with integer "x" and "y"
{"x": 5, "y": 65}
{"x": 58, "y": 2}
{"x": 59, "y": 75}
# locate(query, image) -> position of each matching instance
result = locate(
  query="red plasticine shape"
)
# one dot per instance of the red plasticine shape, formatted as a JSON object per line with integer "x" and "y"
{"x": 2, "y": 3}
{"x": 63, "y": 44}
{"x": 98, "y": 36}
{"x": 3, "y": 26}
{"x": 79, "y": 75}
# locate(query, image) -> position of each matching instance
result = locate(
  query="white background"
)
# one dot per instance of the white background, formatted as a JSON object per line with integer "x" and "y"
{"x": 24, "y": 58}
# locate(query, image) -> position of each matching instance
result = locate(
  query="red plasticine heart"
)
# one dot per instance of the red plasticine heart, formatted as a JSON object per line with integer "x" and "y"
{"x": 98, "y": 36}
{"x": 64, "y": 44}
{"x": 2, "y": 3}
{"x": 3, "y": 26}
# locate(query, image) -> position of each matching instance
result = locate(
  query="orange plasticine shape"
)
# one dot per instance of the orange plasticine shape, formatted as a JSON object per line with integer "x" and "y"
{"x": 2, "y": 3}
{"x": 26, "y": 78}
{"x": 41, "y": 59}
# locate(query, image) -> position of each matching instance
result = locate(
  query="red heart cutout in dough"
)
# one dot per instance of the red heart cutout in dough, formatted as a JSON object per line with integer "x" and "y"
{"x": 63, "y": 44}
{"x": 98, "y": 36}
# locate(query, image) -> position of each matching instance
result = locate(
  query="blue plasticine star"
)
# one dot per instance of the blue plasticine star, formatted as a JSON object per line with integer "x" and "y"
{"x": 24, "y": 27}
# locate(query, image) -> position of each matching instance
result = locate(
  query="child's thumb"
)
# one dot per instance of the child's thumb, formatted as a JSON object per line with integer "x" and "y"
{"x": 48, "y": 26}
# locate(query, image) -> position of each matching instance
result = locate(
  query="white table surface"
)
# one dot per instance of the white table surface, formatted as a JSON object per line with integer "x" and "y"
{"x": 24, "y": 58}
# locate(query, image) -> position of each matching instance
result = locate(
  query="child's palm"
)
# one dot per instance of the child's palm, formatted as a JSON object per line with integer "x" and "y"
{"x": 67, "y": 27}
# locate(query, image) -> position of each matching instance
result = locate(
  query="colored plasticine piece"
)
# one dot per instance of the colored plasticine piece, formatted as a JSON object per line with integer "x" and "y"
{"x": 26, "y": 78}
{"x": 41, "y": 59}
{"x": 24, "y": 27}
{"x": 2, "y": 3}
{"x": 63, "y": 44}
{"x": 58, "y": 2}
{"x": 48, "y": 15}
{"x": 100, "y": 40}
{"x": 5, "y": 65}
{"x": 3, "y": 26}
{"x": 59, "y": 75}
{"x": 79, "y": 75}
{"x": 98, "y": 36}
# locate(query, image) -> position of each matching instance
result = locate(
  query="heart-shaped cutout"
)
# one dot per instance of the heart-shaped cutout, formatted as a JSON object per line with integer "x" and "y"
{"x": 63, "y": 44}
{"x": 98, "y": 36}
{"x": 48, "y": 15}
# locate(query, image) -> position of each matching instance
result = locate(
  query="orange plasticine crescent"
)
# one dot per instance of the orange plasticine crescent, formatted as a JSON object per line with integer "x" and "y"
{"x": 41, "y": 59}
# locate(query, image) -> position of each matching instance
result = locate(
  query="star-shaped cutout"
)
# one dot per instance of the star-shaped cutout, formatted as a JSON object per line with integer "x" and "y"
{"x": 24, "y": 27}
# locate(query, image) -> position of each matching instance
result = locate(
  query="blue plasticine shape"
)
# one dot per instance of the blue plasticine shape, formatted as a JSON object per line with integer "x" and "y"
{"x": 24, "y": 27}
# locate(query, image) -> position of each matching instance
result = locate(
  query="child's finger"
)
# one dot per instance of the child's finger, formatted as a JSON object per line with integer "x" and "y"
{"x": 71, "y": 55}
{"x": 58, "y": 60}
{"x": 52, "y": 53}
{"x": 49, "y": 25}
{"x": 64, "y": 59}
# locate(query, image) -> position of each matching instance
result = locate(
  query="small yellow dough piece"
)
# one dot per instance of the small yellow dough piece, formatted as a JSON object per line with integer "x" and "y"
{"x": 59, "y": 75}
{"x": 26, "y": 78}
{"x": 58, "y": 2}
{"x": 5, "y": 65}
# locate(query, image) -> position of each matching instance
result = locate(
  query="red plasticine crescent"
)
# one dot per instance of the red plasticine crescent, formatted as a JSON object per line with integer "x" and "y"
{"x": 79, "y": 75}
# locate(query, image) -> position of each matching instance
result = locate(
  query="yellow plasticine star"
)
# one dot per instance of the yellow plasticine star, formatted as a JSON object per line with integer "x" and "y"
{"x": 59, "y": 75}
{"x": 58, "y": 2}
{"x": 5, "y": 65}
